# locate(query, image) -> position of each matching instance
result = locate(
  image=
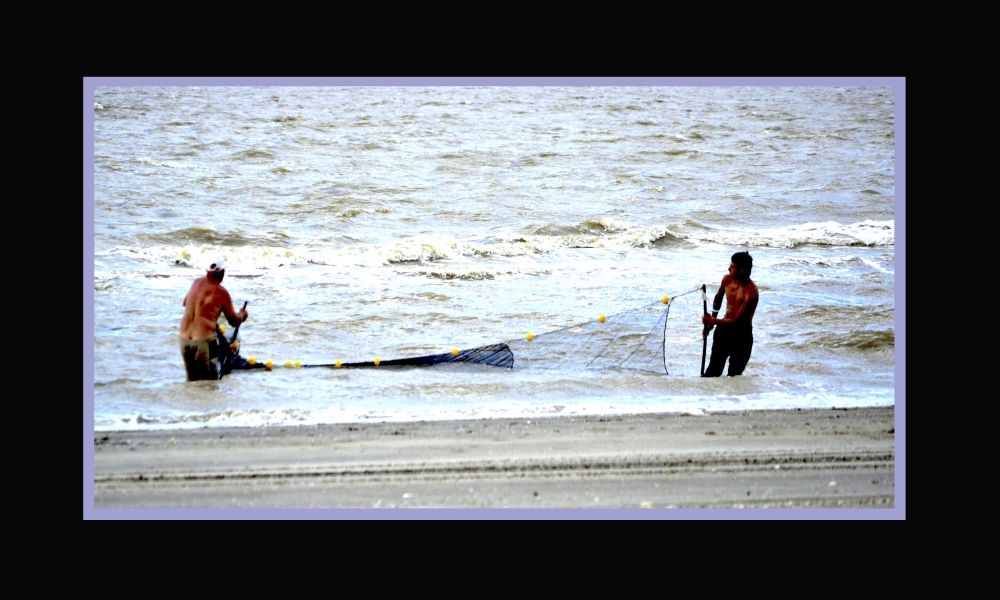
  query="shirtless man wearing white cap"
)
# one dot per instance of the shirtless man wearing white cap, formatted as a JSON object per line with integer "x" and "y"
{"x": 205, "y": 301}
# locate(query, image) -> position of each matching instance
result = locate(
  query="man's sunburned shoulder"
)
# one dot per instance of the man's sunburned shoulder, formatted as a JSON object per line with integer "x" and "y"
{"x": 203, "y": 283}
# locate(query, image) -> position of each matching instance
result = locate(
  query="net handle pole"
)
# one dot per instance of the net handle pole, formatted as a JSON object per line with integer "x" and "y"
{"x": 236, "y": 330}
{"x": 704, "y": 333}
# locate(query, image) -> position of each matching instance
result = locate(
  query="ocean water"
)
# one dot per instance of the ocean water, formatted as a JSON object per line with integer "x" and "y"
{"x": 399, "y": 221}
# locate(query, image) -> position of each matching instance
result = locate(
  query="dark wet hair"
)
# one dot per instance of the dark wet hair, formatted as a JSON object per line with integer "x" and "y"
{"x": 744, "y": 261}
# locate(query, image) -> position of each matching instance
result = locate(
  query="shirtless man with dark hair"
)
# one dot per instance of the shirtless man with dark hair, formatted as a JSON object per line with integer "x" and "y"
{"x": 205, "y": 301}
{"x": 734, "y": 337}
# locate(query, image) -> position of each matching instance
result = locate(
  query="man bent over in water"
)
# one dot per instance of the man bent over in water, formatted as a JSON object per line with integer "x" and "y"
{"x": 205, "y": 301}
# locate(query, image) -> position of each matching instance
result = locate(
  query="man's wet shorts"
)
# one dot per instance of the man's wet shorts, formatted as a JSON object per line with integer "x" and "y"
{"x": 734, "y": 343}
{"x": 201, "y": 358}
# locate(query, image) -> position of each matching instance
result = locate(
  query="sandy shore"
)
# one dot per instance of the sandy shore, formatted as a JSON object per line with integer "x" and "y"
{"x": 776, "y": 459}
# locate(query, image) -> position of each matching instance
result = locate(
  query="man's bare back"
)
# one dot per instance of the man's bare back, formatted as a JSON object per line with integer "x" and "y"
{"x": 205, "y": 301}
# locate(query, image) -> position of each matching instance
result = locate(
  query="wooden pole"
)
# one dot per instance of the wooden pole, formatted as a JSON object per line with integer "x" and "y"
{"x": 704, "y": 334}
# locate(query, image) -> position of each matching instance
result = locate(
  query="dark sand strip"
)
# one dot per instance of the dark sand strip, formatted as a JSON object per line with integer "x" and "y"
{"x": 796, "y": 458}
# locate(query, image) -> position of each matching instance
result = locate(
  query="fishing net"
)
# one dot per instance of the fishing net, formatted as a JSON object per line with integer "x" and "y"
{"x": 497, "y": 355}
{"x": 633, "y": 339}
{"x": 229, "y": 355}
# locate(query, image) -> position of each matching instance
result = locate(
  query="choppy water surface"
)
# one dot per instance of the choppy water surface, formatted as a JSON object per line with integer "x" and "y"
{"x": 402, "y": 221}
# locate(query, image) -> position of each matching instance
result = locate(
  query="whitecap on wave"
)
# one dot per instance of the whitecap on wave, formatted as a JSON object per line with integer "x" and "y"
{"x": 830, "y": 233}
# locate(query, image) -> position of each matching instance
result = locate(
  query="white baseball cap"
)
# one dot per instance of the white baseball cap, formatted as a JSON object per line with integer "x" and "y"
{"x": 217, "y": 265}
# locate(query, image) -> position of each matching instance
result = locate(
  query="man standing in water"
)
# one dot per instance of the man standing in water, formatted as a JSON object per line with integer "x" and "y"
{"x": 734, "y": 337}
{"x": 204, "y": 302}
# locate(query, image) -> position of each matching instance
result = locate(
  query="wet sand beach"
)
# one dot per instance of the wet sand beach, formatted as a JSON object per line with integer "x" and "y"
{"x": 822, "y": 458}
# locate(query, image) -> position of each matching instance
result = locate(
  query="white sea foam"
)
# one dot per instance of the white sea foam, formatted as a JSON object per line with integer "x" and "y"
{"x": 830, "y": 233}
{"x": 173, "y": 164}
{"x": 875, "y": 265}
{"x": 436, "y": 248}
{"x": 350, "y": 413}
{"x": 480, "y": 273}
{"x": 426, "y": 248}
{"x": 610, "y": 224}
